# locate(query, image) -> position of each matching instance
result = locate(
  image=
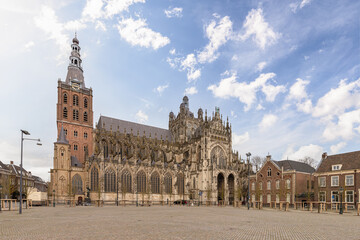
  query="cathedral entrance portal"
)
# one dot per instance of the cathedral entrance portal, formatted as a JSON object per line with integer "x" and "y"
{"x": 221, "y": 187}
{"x": 231, "y": 189}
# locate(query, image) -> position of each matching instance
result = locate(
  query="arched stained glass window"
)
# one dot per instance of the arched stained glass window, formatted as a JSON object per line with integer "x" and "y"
{"x": 168, "y": 184}
{"x": 94, "y": 179}
{"x": 180, "y": 184}
{"x": 77, "y": 186}
{"x": 155, "y": 183}
{"x": 110, "y": 181}
{"x": 126, "y": 182}
{"x": 141, "y": 182}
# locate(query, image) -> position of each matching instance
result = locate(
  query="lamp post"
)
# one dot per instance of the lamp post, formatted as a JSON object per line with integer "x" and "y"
{"x": 54, "y": 198}
{"x": 248, "y": 163}
{"x": 21, "y": 162}
{"x": 341, "y": 200}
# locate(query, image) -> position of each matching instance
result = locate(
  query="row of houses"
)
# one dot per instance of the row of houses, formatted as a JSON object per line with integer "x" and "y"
{"x": 33, "y": 186}
{"x": 336, "y": 179}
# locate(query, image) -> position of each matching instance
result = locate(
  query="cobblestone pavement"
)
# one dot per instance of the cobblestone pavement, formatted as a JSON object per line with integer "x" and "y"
{"x": 174, "y": 222}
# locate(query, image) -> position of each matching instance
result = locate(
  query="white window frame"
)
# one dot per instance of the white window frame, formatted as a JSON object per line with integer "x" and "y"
{"x": 277, "y": 198}
{"x": 324, "y": 193}
{"x": 253, "y": 186}
{"x": 336, "y": 167}
{"x": 346, "y": 194}
{"x": 268, "y": 198}
{"x": 349, "y": 177}
{"x": 268, "y": 185}
{"x": 332, "y": 181}
{"x": 261, "y": 198}
{"x": 320, "y": 181}
{"x": 338, "y": 196}
{"x": 260, "y": 185}
{"x": 277, "y": 184}
{"x": 288, "y": 197}
{"x": 288, "y": 183}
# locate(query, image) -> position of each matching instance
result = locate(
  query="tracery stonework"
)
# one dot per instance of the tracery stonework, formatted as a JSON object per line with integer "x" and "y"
{"x": 193, "y": 159}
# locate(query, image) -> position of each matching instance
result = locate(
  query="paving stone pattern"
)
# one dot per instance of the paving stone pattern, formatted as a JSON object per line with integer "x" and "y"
{"x": 176, "y": 222}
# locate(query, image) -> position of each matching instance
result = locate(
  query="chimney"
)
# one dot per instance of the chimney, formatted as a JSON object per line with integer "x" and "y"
{"x": 268, "y": 157}
{"x": 324, "y": 155}
{"x": 12, "y": 162}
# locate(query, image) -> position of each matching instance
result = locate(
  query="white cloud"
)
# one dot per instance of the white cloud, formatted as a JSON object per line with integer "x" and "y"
{"x": 189, "y": 64}
{"x": 141, "y": 117}
{"x": 259, "y": 107}
{"x": 100, "y": 26}
{"x": 48, "y": 22}
{"x": 260, "y": 66}
{"x": 174, "y": 12}
{"x": 237, "y": 140}
{"x": 299, "y": 5}
{"x": 311, "y": 150}
{"x": 190, "y": 91}
{"x": 137, "y": 33}
{"x": 336, "y": 148}
{"x": 297, "y": 90}
{"x": 218, "y": 33}
{"x": 93, "y": 10}
{"x": 256, "y": 26}
{"x": 117, "y": 6}
{"x": 160, "y": 89}
{"x": 172, "y": 51}
{"x": 246, "y": 92}
{"x": 306, "y": 58}
{"x": 29, "y": 45}
{"x": 74, "y": 25}
{"x": 267, "y": 121}
{"x": 232, "y": 113}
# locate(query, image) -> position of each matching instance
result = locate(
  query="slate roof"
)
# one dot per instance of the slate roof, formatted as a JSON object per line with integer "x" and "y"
{"x": 62, "y": 136}
{"x": 108, "y": 123}
{"x": 75, "y": 162}
{"x": 349, "y": 161}
{"x": 294, "y": 165}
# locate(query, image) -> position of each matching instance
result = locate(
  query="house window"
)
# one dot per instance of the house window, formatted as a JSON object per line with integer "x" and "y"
{"x": 287, "y": 183}
{"x": 277, "y": 198}
{"x": 277, "y": 184}
{"x": 75, "y": 114}
{"x": 75, "y": 133}
{"x": 75, "y": 147}
{"x": 85, "y": 135}
{"x": 269, "y": 185}
{"x": 65, "y": 131}
{"x": 322, "y": 196}
{"x": 261, "y": 198}
{"x": 335, "y": 181}
{"x": 268, "y": 199}
{"x": 322, "y": 181}
{"x": 269, "y": 172}
{"x": 349, "y": 180}
{"x": 85, "y": 116}
{"x": 260, "y": 185}
{"x": 288, "y": 197}
{"x": 349, "y": 196}
{"x": 253, "y": 198}
{"x": 336, "y": 167}
{"x": 334, "y": 196}
{"x": 253, "y": 186}
{"x": 65, "y": 98}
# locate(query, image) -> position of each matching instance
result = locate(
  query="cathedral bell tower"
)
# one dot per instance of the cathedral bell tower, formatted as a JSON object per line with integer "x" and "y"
{"x": 74, "y": 108}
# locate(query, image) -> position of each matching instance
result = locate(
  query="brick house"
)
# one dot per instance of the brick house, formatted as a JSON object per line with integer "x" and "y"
{"x": 281, "y": 181}
{"x": 335, "y": 172}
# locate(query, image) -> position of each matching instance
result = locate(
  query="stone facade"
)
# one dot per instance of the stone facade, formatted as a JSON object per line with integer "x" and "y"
{"x": 123, "y": 160}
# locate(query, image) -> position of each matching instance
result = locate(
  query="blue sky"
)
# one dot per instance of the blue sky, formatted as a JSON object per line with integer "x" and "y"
{"x": 286, "y": 73}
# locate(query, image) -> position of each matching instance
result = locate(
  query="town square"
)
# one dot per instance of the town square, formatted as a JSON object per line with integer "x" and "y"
{"x": 135, "y": 119}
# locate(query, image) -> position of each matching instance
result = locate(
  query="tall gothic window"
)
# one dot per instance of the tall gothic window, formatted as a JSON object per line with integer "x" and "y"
{"x": 218, "y": 157}
{"x": 155, "y": 183}
{"x": 65, "y": 98}
{"x": 141, "y": 182}
{"x": 85, "y": 103}
{"x": 75, "y": 114}
{"x": 106, "y": 149}
{"x": 269, "y": 172}
{"x": 110, "y": 180}
{"x": 126, "y": 182}
{"x": 75, "y": 100}
{"x": 77, "y": 186}
{"x": 180, "y": 183}
{"x": 94, "y": 179}
{"x": 168, "y": 184}
{"x": 85, "y": 116}
{"x": 65, "y": 112}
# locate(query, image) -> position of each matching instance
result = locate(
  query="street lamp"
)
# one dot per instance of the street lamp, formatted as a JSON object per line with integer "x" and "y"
{"x": 248, "y": 163}
{"x": 21, "y": 163}
{"x": 341, "y": 200}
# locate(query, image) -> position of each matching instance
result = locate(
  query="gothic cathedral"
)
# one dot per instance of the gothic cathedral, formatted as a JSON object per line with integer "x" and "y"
{"x": 126, "y": 161}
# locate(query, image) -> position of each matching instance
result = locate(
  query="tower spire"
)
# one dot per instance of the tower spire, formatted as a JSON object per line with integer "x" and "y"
{"x": 75, "y": 72}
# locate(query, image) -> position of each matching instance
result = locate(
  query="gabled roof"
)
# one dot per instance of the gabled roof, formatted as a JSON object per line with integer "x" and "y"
{"x": 62, "y": 136}
{"x": 3, "y": 167}
{"x": 294, "y": 165}
{"x": 114, "y": 124}
{"x": 349, "y": 161}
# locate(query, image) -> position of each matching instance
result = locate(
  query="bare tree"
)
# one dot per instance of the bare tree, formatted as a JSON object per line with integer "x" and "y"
{"x": 308, "y": 160}
{"x": 257, "y": 162}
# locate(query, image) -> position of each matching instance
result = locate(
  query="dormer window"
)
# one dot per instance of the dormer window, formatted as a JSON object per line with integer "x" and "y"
{"x": 336, "y": 167}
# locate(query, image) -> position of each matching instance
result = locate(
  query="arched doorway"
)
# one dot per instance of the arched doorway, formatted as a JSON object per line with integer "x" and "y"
{"x": 221, "y": 187}
{"x": 231, "y": 181}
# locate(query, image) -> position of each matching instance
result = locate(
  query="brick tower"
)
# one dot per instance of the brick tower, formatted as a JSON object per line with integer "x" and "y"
{"x": 74, "y": 108}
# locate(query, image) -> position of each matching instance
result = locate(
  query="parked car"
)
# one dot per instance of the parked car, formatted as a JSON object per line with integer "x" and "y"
{"x": 178, "y": 202}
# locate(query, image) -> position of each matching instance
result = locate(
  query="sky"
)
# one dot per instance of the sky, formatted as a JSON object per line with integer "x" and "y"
{"x": 285, "y": 73}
